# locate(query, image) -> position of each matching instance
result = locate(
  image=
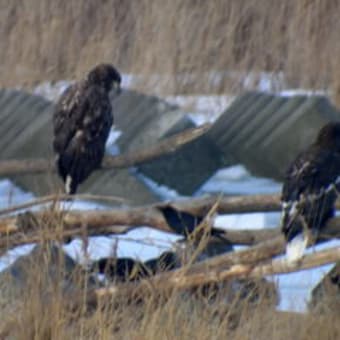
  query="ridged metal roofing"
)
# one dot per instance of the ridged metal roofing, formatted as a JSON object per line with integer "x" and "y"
{"x": 260, "y": 130}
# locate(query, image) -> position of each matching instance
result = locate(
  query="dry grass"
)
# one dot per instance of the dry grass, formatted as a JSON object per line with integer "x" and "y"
{"x": 41, "y": 310}
{"x": 61, "y": 39}
{"x": 44, "y": 40}
{"x": 178, "y": 317}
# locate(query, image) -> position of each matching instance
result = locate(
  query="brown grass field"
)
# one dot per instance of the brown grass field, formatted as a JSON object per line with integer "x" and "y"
{"x": 42, "y": 311}
{"x": 51, "y": 305}
{"x": 184, "y": 41}
{"x": 43, "y": 40}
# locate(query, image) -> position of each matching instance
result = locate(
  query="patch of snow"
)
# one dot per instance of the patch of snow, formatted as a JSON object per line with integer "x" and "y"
{"x": 303, "y": 92}
{"x": 162, "y": 191}
{"x": 262, "y": 81}
{"x": 52, "y": 91}
{"x": 111, "y": 146}
{"x": 11, "y": 255}
{"x": 296, "y": 288}
{"x": 241, "y": 221}
{"x": 236, "y": 180}
{"x": 11, "y": 195}
{"x": 202, "y": 108}
{"x": 143, "y": 243}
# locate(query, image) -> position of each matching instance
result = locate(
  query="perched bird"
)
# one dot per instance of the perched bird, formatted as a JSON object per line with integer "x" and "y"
{"x": 121, "y": 269}
{"x": 81, "y": 122}
{"x": 126, "y": 269}
{"x": 168, "y": 260}
{"x": 186, "y": 224}
{"x": 310, "y": 191}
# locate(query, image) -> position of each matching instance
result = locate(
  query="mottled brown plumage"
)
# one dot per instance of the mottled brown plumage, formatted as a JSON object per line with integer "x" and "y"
{"x": 310, "y": 190}
{"x": 82, "y": 121}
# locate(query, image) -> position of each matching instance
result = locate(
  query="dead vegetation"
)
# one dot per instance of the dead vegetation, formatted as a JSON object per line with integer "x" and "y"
{"x": 182, "y": 41}
{"x": 50, "y": 297}
{"x": 42, "y": 311}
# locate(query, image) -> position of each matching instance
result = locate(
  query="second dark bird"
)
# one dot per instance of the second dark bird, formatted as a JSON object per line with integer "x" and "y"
{"x": 81, "y": 122}
{"x": 184, "y": 223}
{"x": 310, "y": 190}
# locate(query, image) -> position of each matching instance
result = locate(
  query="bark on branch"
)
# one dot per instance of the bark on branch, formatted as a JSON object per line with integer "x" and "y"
{"x": 149, "y": 215}
{"x": 166, "y": 146}
{"x": 51, "y": 225}
{"x": 231, "y": 265}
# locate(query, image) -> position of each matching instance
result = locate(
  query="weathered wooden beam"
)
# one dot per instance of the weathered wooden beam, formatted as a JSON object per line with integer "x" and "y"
{"x": 169, "y": 145}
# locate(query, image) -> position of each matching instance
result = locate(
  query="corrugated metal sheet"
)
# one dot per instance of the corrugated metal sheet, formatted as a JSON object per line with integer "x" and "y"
{"x": 265, "y": 132}
{"x": 262, "y": 131}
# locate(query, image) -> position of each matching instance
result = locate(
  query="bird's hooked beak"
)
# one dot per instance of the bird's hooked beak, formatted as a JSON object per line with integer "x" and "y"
{"x": 116, "y": 87}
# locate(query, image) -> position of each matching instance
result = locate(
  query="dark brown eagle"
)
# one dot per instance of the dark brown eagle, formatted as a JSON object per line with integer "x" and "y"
{"x": 82, "y": 121}
{"x": 310, "y": 190}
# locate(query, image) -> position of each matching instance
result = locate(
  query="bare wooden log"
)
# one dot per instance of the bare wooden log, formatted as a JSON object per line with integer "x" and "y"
{"x": 230, "y": 204}
{"x": 52, "y": 225}
{"x": 59, "y": 197}
{"x": 198, "y": 206}
{"x": 169, "y": 145}
{"x": 150, "y": 215}
{"x": 209, "y": 273}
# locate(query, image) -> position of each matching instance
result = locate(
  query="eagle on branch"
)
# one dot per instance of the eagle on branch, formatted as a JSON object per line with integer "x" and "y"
{"x": 81, "y": 124}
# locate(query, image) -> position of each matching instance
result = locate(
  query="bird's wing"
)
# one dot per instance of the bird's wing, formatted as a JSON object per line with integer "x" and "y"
{"x": 311, "y": 175}
{"x": 97, "y": 118}
{"x": 85, "y": 109}
{"x": 65, "y": 117}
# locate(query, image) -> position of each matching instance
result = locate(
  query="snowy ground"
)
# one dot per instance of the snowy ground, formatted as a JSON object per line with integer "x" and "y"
{"x": 145, "y": 243}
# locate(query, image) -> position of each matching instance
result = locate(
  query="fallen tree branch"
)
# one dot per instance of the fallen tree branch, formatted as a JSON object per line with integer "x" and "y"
{"x": 56, "y": 225}
{"x": 149, "y": 215}
{"x": 58, "y": 198}
{"x": 30, "y": 227}
{"x": 210, "y": 273}
{"x": 166, "y": 146}
{"x": 197, "y": 206}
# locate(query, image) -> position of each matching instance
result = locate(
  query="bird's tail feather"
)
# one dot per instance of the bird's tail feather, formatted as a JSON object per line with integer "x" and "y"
{"x": 68, "y": 184}
{"x": 296, "y": 247}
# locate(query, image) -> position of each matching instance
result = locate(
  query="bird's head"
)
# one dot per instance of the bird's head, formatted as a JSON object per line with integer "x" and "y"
{"x": 329, "y": 136}
{"x": 106, "y": 76}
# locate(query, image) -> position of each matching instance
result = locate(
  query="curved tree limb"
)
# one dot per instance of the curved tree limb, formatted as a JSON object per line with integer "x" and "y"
{"x": 230, "y": 266}
{"x": 166, "y": 146}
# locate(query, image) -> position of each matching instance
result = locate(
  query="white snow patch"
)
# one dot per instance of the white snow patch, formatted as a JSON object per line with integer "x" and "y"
{"x": 52, "y": 91}
{"x": 241, "y": 221}
{"x": 162, "y": 191}
{"x": 303, "y": 92}
{"x": 11, "y": 195}
{"x": 236, "y": 180}
{"x": 202, "y": 108}
{"x": 111, "y": 143}
{"x": 142, "y": 243}
{"x": 11, "y": 255}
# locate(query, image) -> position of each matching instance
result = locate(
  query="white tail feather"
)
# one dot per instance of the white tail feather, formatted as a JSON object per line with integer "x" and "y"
{"x": 296, "y": 247}
{"x": 68, "y": 184}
